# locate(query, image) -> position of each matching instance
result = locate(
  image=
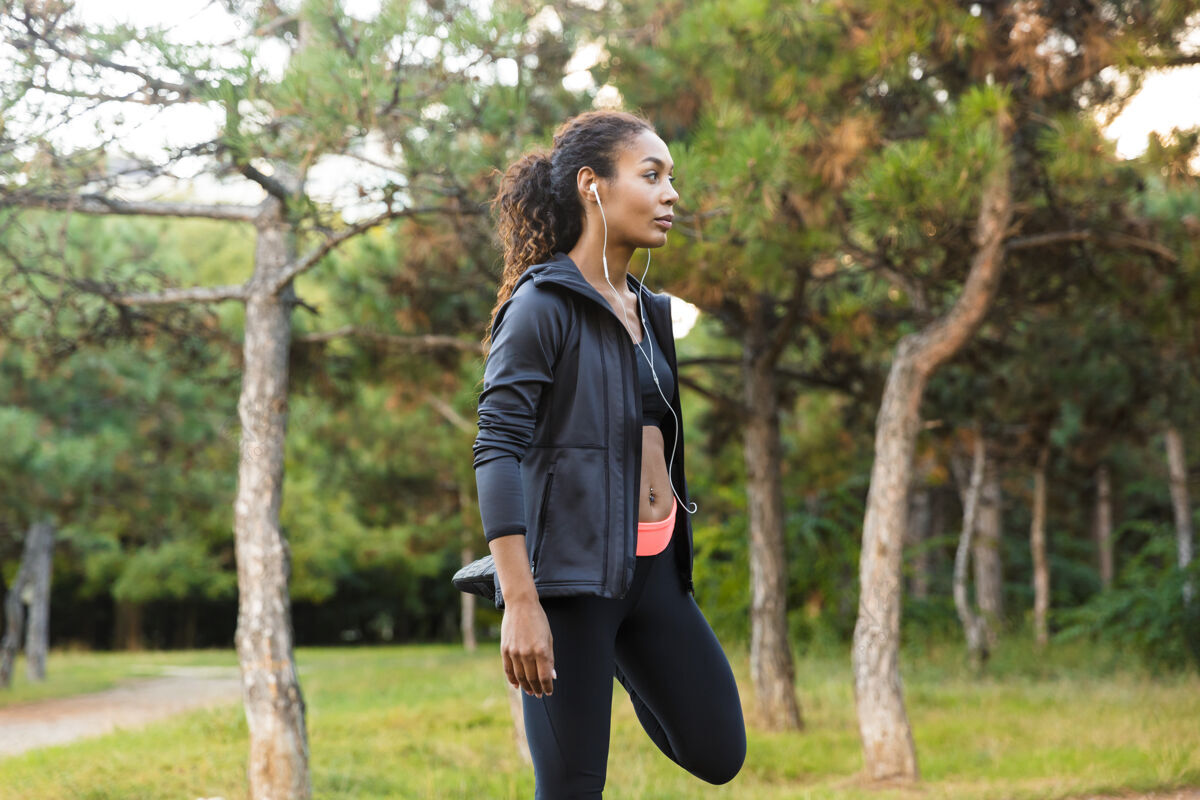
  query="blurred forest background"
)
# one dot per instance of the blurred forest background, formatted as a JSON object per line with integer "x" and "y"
{"x": 829, "y": 157}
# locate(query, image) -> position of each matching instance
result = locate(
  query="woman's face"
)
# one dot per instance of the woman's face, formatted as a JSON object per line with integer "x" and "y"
{"x": 639, "y": 202}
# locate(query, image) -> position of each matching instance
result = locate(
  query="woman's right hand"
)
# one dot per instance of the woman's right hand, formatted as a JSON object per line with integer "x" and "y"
{"x": 527, "y": 647}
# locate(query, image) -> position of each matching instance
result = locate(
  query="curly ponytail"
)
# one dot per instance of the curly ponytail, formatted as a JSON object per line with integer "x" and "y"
{"x": 537, "y": 202}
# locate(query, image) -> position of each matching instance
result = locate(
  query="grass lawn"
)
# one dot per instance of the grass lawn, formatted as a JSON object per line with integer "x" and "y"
{"x": 431, "y": 721}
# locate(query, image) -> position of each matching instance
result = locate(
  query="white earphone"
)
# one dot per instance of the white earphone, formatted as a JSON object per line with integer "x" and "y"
{"x": 650, "y": 361}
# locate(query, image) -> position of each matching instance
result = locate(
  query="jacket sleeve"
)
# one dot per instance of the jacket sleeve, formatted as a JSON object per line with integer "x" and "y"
{"x": 527, "y": 337}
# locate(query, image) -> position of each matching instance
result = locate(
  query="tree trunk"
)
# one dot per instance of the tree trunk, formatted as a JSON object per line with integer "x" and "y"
{"x": 989, "y": 568}
{"x": 1037, "y": 545}
{"x": 14, "y": 615}
{"x": 185, "y": 632}
{"x": 468, "y": 607}
{"x": 920, "y": 522}
{"x": 14, "y": 625}
{"x": 919, "y": 530}
{"x": 971, "y": 483}
{"x": 878, "y": 692}
{"x": 37, "y": 633}
{"x": 939, "y": 504}
{"x": 127, "y": 627}
{"x": 1103, "y": 525}
{"x": 275, "y": 709}
{"x": 883, "y": 722}
{"x": 771, "y": 667}
{"x": 470, "y": 517}
{"x": 31, "y": 587}
{"x": 1177, "y": 469}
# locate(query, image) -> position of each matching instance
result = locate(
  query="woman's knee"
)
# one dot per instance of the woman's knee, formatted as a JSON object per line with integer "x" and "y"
{"x": 721, "y": 762}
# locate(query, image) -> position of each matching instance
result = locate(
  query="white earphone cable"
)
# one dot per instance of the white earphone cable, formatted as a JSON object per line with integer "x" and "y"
{"x": 642, "y": 312}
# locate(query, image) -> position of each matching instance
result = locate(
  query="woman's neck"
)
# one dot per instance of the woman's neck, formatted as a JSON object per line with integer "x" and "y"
{"x": 587, "y": 256}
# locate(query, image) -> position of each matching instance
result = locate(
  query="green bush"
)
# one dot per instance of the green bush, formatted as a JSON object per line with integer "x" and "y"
{"x": 1144, "y": 610}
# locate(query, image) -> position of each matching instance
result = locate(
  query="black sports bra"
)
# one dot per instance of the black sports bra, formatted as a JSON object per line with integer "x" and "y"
{"x": 654, "y": 410}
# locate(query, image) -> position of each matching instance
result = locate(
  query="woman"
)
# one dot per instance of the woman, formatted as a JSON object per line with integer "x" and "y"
{"x": 582, "y": 508}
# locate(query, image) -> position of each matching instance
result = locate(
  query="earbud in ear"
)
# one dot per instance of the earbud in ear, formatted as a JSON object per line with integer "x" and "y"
{"x": 592, "y": 186}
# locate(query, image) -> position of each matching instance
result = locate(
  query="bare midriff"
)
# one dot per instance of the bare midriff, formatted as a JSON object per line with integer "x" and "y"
{"x": 654, "y": 474}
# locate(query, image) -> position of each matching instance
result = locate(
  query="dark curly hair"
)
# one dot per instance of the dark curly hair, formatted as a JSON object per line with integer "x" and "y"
{"x": 537, "y": 204}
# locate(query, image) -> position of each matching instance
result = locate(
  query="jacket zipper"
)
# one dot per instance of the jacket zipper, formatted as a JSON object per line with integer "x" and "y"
{"x": 631, "y": 349}
{"x": 537, "y": 550}
{"x": 631, "y": 377}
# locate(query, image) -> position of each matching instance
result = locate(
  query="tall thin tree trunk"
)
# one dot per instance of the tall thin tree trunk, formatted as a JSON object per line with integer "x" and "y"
{"x": 1177, "y": 469}
{"x": 14, "y": 626}
{"x": 888, "y": 748}
{"x": 187, "y": 630}
{"x": 30, "y": 586}
{"x": 971, "y": 482}
{"x": 920, "y": 522}
{"x": 919, "y": 527}
{"x": 274, "y": 704}
{"x": 771, "y": 667}
{"x": 127, "y": 627}
{"x": 985, "y": 553}
{"x": 1103, "y": 525}
{"x": 939, "y": 504}
{"x": 467, "y": 611}
{"x": 469, "y": 516}
{"x": 1037, "y": 546}
{"x": 14, "y": 614}
{"x": 37, "y": 632}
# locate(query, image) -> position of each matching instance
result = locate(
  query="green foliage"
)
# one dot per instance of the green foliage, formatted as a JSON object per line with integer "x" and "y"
{"x": 823, "y": 541}
{"x": 1144, "y": 611}
{"x": 912, "y": 192}
{"x": 1081, "y": 162}
{"x": 179, "y": 569}
{"x": 125, "y": 446}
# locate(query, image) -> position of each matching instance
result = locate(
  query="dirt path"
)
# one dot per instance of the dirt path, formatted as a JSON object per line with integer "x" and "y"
{"x": 133, "y": 703}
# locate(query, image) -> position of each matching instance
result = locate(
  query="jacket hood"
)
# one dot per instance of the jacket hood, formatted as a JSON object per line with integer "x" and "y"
{"x": 561, "y": 269}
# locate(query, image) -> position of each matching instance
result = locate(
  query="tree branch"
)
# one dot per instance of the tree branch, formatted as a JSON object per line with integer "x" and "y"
{"x": 270, "y": 185}
{"x": 1118, "y": 239}
{"x": 310, "y": 259}
{"x": 453, "y": 417}
{"x": 933, "y": 345}
{"x": 879, "y": 262}
{"x": 782, "y": 370}
{"x": 138, "y": 95}
{"x": 99, "y": 204}
{"x": 153, "y": 84}
{"x": 786, "y": 328}
{"x": 813, "y": 379}
{"x": 1176, "y": 61}
{"x": 426, "y": 341}
{"x": 264, "y": 29}
{"x": 718, "y": 399}
{"x": 189, "y": 294}
{"x": 910, "y": 286}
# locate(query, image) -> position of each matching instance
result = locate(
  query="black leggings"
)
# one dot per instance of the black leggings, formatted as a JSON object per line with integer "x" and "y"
{"x": 658, "y": 644}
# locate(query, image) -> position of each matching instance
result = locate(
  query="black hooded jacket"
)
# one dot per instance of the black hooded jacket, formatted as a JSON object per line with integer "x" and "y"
{"x": 559, "y": 450}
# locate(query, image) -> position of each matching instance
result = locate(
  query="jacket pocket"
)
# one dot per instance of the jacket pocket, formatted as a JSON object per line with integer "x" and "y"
{"x": 575, "y": 541}
{"x": 537, "y": 548}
